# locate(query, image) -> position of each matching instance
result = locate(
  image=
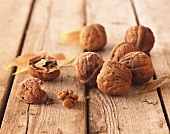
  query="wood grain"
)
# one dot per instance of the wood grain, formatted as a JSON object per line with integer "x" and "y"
{"x": 159, "y": 22}
{"x": 49, "y": 18}
{"x": 129, "y": 113}
{"x": 11, "y": 33}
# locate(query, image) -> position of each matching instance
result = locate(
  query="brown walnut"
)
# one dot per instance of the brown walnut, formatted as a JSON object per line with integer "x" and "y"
{"x": 93, "y": 37}
{"x": 29, "y": 91}
{"x": 142, "y": 37}
{"x": 44, "y": 68}
{"x": 114, "y": 78}
{"x": 68, "y": 97}
{"x": 140, "y": 65}
{"x": 120, "y": 50}
{"x": 87, "y": 66}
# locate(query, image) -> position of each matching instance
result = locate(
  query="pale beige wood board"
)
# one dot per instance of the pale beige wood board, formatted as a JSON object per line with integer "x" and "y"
{"x": 11, "y": 32}
{"x": 129, "y": 113}
{"x": 49, "y": 18}
{"x": 158, "y": 14}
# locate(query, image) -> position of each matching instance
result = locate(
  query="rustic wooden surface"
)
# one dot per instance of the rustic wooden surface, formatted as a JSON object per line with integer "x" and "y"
{"x": 130, "y": 113}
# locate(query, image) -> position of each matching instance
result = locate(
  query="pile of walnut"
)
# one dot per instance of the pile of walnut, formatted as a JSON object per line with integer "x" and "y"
{"x": 128, "y": 64}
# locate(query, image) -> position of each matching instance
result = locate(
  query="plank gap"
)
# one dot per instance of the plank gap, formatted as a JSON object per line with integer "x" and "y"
{"x": 162, "y": 104}
{"x": 135, "y": 13}
{"x": 11, "y": 79}
{"x": 87, "y": 107}
{"x": 84, "y": 12}
{"x": 27, "y": 119}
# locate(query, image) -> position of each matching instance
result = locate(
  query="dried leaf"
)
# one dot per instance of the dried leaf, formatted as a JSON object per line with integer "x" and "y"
{"x": 68, "y": 62}
{"x": 153, "y": 85}
{"x": 71, "y": 37}
{"x": 21, "y": 61}
{"x": 59, "y": 56}
{"x": 20, "y": 70}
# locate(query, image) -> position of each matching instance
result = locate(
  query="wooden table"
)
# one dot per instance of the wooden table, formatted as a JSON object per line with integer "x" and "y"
{"x": 29, "y": 26}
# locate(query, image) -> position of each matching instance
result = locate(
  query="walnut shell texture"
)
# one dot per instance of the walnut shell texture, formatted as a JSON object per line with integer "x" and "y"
{"x": 142, "y": 37}
{"x": 93, "y": 37}
{"x": 44, "y": 68}
{"x": 114, "y": 78}
{"x": 140, "y": 65}
{"x": 29, "y": 91}
{"x": 87, "y": 66}
{"x": 120, "y": 50}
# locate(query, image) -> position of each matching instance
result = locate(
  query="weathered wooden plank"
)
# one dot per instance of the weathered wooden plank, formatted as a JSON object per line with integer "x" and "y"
{"x": 11, "y": 33}
{"x": 159, "y": 23}
{"x": 129, "y": 113}
{"x": 49, "y": 18}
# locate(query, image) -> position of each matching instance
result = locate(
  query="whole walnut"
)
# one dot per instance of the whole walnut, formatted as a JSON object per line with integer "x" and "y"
{"x": 44, "y": 67}
{"x": 140, "y": 65}
{"x": 142, "y": 37}
{"x": 87, "y": 66}
{"x": 93, "y": 37}
{"x": 29, "y": 91}
{"x": 120, "y": 50}
{"x": 114, "y": 78}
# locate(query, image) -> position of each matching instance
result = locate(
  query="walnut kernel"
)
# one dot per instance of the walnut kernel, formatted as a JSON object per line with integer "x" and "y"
{"x": 68, "y": 97}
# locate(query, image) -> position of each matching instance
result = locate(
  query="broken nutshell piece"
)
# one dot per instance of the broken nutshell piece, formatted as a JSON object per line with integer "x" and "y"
{"x": 140, "y": 65}
{"x": 68, "y": 97}
{"x": 29, "y": 91}
{"x": 114, "y": 78}
{"x": 44, "y": 67}
{"x": 142, "y": 37}
{"x": 93, "y": 37}
{"x": 87, "y": 66}
{"x": 120, "y": 50}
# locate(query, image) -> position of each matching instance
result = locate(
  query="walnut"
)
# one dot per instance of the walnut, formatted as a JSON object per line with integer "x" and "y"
{"x": 114, "y": 78}
{"x": 142, "y": 37}
{"x": 140, "y": 65}
{"x": 68, "y": 97}
{"x": 44, "y": 68}
{"x": 29, "y": 91}
{"x": 93, "y": 37}
{"x": 120, "y": 50}
{"x": 87, "y": 66}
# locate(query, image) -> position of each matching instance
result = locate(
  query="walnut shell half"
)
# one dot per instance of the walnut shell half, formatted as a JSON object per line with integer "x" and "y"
{"x": 114, "y": 78}
{"x": 29, "y": 91}
{"x": 44, "y": 68}
{"x": 140, "y": 65}
{"x": 120, "y": 50}
{"x": 87, "y": 66}
{"x": 142, "y": 37}
{"x": 93, "y": 37}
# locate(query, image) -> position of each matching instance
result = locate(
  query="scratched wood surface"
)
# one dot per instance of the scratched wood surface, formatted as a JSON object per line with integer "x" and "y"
{"x": 127, "y": 114}
{"x": 48, "y": 18}
{"x": 159, "y": 22}
{"x": 11, "y": 34}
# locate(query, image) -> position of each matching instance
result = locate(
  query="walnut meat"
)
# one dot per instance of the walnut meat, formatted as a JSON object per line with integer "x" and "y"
{"x": 114, "y": 78}
{"x": 87, "y": 66}
{"x": 44, "y": 68}
{"x": 93, "y": 37}
{"x": 142, "y": 37}
{"x": 120, "y": 50}
{"x": 29, "y": 91}
{"x": 140, "y": 65}
{"x": 68, "y": 97}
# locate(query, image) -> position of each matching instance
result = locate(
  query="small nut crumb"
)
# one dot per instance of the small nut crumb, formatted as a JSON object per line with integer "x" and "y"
{"x": 68, "y": 97}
